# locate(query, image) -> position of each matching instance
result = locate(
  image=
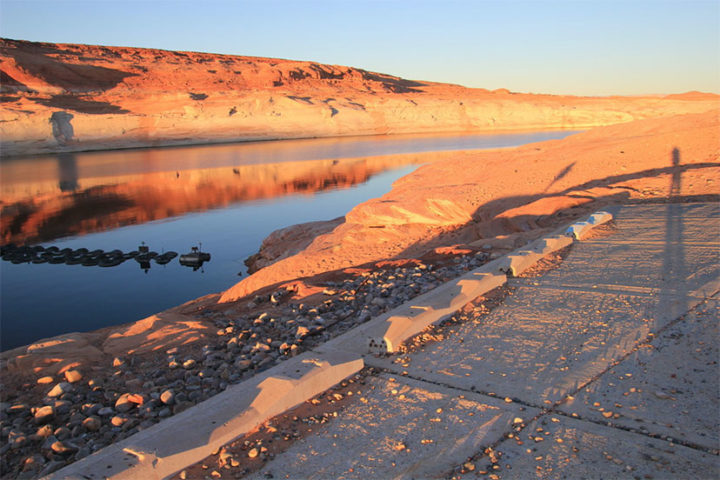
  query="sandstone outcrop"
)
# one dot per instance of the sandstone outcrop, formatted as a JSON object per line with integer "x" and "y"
{"x": 64, "y": 97}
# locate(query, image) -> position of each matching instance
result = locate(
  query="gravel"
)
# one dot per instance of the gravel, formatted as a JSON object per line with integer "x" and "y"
{"x": 50, "y": 424}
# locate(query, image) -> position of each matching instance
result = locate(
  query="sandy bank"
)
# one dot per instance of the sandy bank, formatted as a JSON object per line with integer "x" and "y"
{"x": 476, "y": 195}
{"x": 64, "y": 98}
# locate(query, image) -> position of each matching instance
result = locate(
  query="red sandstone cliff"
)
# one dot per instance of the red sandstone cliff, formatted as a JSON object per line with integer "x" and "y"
{"x": 62, "y": 97}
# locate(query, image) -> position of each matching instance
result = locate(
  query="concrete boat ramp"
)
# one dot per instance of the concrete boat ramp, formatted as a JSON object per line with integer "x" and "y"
{"x": 604, "y": 367}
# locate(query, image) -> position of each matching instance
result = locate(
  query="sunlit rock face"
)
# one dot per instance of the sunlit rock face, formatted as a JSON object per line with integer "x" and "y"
{"x": 64, "y": 98}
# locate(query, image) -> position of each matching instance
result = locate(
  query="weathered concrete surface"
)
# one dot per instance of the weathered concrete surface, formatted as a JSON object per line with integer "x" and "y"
{"x": 667, "y": 388}
{"x": 613, "y": 356}
{"x": 556, "y": 333}
{"x": 575, "y": 449}
{"x": 387, "y": 332}
{"x": 400, "y": 429}
{"x": 190, "y": 436}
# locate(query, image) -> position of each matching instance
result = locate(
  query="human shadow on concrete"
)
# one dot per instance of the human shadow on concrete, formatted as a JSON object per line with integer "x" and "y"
{"x": 489, "y": 221}
{"x": 674, "y": 268}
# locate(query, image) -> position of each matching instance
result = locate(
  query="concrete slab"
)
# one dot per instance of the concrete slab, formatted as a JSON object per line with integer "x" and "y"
{"x": 400, "y": 429}
{"x": 574, "y": 449}
{"x": 387, "y": 332}
{"x": 651, "y": 269}
{"x": 690, "y": 223}
{"x": 559, "y": 331}
{"x": 190, "y": 436}
{"x": 539, "y": 345}
{"x": 665, "y": 389}
{"x": 569, "y": 336}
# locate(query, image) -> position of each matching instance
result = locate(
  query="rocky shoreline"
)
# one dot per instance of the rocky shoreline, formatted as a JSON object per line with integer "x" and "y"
{"x": 51, "y": 421}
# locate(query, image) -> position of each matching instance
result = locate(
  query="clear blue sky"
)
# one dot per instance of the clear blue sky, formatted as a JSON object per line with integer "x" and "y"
{"x": 575, "y": 47}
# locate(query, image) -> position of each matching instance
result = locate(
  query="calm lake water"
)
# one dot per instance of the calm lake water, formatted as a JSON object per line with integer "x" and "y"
{"x": 227, "y": 197}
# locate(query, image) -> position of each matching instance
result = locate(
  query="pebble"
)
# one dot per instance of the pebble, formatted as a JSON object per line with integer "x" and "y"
{"x": 90, "y": 415}
{"x": 44, "y": 431}
{"x": 301, "y": 332}
{"x": 62, "y": 433}
{"x": 662, "y": 395}
{"x": 92, "y": 424}
{"x": 118, "y": 421}
{"x": 16, "y": 439}
{"x": 167, "y": 397}
{"x": 59, "y": 389}
{"x": 123, "y": 403}
{"x": 73, "y": 376}
{"x": 63, "y": 448}
{"x": 44, "y": 414}
{"x": 105, "y": 411}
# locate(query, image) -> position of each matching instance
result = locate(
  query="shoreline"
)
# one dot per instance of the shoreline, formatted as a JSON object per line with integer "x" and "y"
{"x": 128, "y": 369}
{"x": 349, "y": 136}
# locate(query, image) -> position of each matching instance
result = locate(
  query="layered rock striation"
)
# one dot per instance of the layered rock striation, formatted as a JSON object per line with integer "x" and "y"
{"x": 64, "y": 97}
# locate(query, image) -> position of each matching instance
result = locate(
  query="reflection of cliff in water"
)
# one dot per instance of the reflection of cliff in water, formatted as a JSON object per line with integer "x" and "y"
{"x": 73, "y": 206}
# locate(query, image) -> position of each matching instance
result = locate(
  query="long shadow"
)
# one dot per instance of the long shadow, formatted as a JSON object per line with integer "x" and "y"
{"x": 674, "y": 290}
{"x": 488, "y": 222}
{"x": 487, "y": 219}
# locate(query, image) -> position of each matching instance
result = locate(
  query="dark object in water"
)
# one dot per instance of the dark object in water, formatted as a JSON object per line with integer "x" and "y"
{"x": 195, "y": 258}
{"x": 82, "y": 256}
{"x": 7, "y": 249}
{"x": 143, "y": 256}
{"x": 165, "y": 258}
{"x": 90, "y": 261}
{"x": 111, "y": 259}
{"x": 77, "y": 257}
